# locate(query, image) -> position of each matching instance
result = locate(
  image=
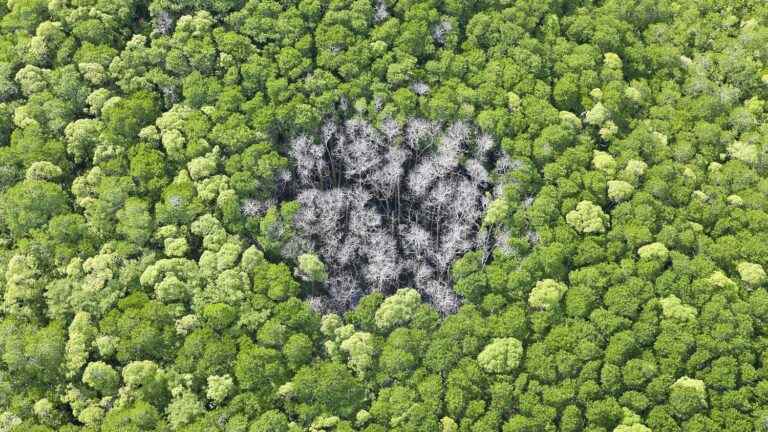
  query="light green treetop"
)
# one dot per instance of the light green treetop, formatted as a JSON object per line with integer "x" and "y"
{"x": 630, "y": 417}
{"x": 43, "y": 408}
{"x": 720, "y": 280}
{"x": 734, "y": 200}
{"x": 138, "y": 373}
{"x": 183, "y": 409}
{"x": 101, "y": 377}
{"x": 397, "y": 309}
{"x": 743, "y": 151}
{"x": 569, "y": 118}
{"x": 587, "y": 218}
{"x": 672, "y": 307}
{"x": 204, "y": 166}
{"x": 546, "y": 294}
{"x": 502, "y": 355}
{"x": 176, "y": 246}
{"x": 329, "y": 323}
{"x": 619, "y": 190}
{"x": 612, "y": 60}
{"x": 81, "y": 335}
{"x": 690, "y": 383}
{"x": 43, "y": 170}
{"x": 448, "y": 424}
{"x": 311, "y": 269}
{"x": 751, "y": 273}
{"x": 497, "y": 210}
{"x": 634, "y": 169}
{"x": 359, "y": 347}
{"x": 8, "y": 421}
{"x": 637, "y": 427}
{"x": 604, "y": 162}
{"x": 654, "y": 251}
{"x": 597, "y": 115}
{"x": 219, "y": 387}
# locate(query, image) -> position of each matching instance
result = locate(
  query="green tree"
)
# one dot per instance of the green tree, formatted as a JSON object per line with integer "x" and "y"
{"x": 546, "y": 294}
{"x": 327, "y": 388}
{"x": 587, "y": 218}
{"x": 501, "y": 356}
{"x": 397, "y": 309}
{"x": 31, "y": 204}
{"x": 311, "y": 268}
{"x": 259, "y": 369}
{"x": 135, "y": 221}
{"x": 101, "y": 377}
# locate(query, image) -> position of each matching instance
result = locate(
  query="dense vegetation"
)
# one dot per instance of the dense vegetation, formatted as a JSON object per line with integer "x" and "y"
{"x": 383, "y": 215}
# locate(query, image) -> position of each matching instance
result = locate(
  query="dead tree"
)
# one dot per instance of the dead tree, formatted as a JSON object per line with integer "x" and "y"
{"x": 392, "y": 206}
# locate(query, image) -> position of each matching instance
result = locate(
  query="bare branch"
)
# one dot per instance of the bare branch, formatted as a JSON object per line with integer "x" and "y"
{"x": 391, "y": 205}
{"x": 441, "y": 30}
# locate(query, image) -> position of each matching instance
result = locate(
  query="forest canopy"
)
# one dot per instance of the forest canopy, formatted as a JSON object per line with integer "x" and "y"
{"x": 383, "y": 215}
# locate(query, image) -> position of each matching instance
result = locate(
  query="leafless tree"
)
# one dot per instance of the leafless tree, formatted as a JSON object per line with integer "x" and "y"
{"x": 504, "y": 164}
{"x": 343, "y": 291}
{"x": 343, "y": 103}
{"x": 532, "y": 236}
{"x": 391, "y": 129}
{"x": 420, "y": 133}
{"x": 417, "y": 241}
{"x": 170, "y": 94}
{"x": 528, "y": 201}
{"x": 254, "y": 207}
{"x": 391, "y": 205}
{"x": 296, "y": 246}
{"x": 420, "y": 88}
{"x": 283, "y": 177}
{"x": 163, "y": 22}
{"x": 484, "y": 145}
{"x": 358, "y": 153}
{"x": 502, "y": 243}
{"x": 476, "y": 171}
{"x": 421, "y": 178}
{"x": 381, "y": 12}
{"x": 441, "y": 30}
{"x": 457, "y": 133}
{"x": 442, "y": 297}
{"x": 319, "y": 304}
{"x": 308, "y": 157}
{"x": 386, "y": 179}
{"x": 423, "y": 273}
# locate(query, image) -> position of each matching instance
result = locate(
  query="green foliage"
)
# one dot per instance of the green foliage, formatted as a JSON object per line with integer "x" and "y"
{"x": 397, "y": 309}
{"x": 31, "y": 204}
{"x": 654, "y": 251}
{"x": 327, "y": 387}
{"x": 687, "y": 396}
{"x": 501, "y": 356}
{"x": 101, "y": 377}
{"x": 311, "y": 268}
{"x": 637, "y": 427}
{"x": 672, "y": 307}
{"x": 271, "y": 421}
{"x": 546, "y": 294}
{"x": 619, "y": 190}
{"x": 259, "y": 369}
{"x": 155, "y": 268}
{"x": 275, "y": 281}
{"x": 603, "y": 161}
{"x": 219, "y": 387}
{"x": 751, "y": 273}
{"x": 587, "y": 218}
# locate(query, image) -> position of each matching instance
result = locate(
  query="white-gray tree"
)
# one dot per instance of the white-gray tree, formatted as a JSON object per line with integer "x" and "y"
{"x": 392, "y": 206}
